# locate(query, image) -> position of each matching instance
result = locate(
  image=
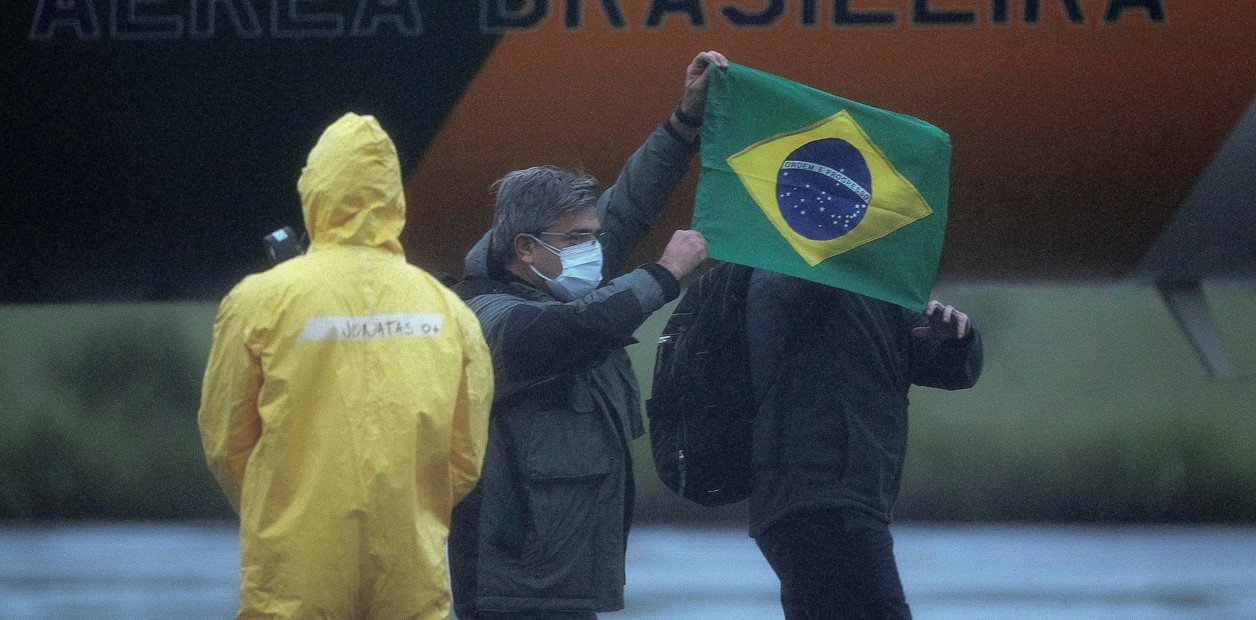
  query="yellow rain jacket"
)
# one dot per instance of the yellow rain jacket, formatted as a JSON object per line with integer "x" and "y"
{"x": 345, "y": 405}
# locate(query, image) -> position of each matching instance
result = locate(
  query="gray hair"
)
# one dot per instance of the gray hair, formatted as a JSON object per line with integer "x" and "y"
{"x": 531, "y": 200}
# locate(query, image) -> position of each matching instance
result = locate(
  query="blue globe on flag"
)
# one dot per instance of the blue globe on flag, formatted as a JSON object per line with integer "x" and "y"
{"x": 823, "y": 189}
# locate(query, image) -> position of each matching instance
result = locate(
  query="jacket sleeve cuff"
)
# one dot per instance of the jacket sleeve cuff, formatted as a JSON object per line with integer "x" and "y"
{"x": 667, "y": 281}
{"x": 963, "y": 343}
{"x": 671, "y": 131}
{"x": 666, "y": 139}
{"x": 645, "y": 287}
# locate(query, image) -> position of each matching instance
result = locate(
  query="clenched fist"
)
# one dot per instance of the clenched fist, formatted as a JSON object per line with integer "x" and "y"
{"x": 684, "y": 256}
{"x": 693, "y": 99}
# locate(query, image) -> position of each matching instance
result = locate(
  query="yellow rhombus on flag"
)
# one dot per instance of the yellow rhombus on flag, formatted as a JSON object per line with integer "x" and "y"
{"x": 878, "y": 199}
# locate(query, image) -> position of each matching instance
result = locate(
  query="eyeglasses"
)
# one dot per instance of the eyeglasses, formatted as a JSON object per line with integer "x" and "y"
{"x": 575, "y": 238}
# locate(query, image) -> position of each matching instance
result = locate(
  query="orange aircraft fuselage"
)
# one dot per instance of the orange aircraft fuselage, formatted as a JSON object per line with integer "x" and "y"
{"x": 1079, "y": 126}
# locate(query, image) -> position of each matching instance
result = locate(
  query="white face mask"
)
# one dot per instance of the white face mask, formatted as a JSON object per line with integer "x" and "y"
{"x": 582, "y": 269}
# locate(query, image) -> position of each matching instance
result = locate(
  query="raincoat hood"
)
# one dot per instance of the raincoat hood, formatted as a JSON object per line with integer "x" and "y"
{"x": 345, "y": 405}
{"x": 351, "y": 191}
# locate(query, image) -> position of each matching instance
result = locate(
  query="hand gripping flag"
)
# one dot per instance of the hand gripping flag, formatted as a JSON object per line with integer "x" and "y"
{"x": 805, "y": 183}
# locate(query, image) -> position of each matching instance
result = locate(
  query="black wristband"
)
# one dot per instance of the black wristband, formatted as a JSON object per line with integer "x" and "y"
{"x": 692, "y": 122}
{"x": 668, "y": 282}
{"x": 671, "y": 131}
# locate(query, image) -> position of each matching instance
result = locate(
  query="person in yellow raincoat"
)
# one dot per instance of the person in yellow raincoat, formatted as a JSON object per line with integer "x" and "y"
{"x": 345, "y": 404}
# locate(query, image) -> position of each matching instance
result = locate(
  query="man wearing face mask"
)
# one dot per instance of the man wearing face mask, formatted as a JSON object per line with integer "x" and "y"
{"x": 544, "y": 533}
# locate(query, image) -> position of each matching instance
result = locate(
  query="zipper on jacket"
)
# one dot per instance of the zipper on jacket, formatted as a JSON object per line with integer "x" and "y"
{"x": 680, "y": 469}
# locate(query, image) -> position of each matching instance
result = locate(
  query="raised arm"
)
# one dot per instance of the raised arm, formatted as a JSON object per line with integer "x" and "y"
{"x": 532, "y": 341}
{"x": 628, "y": 208}
{"x": 535, "y": 340}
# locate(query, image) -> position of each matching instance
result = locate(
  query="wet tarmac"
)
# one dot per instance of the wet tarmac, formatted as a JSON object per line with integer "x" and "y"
{"x": 188, "y": 570}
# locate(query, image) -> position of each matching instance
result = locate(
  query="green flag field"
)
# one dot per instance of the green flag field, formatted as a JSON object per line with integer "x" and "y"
{"x": 808, "y": 184}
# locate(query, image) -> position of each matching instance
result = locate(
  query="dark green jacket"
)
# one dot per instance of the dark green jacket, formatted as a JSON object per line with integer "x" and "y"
{"x": 547, "y": 526}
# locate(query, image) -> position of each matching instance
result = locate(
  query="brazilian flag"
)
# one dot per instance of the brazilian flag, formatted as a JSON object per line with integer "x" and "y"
{"x": 801, "y": 182}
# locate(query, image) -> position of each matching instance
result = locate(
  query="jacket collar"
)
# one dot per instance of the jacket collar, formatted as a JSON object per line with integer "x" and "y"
{"x": 483, "y": 276}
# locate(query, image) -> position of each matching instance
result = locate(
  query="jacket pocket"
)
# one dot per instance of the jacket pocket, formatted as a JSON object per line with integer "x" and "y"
{"x": 562, "y": 551}
{"x": 568, "y": 467}
{"x": 565, "y": 444}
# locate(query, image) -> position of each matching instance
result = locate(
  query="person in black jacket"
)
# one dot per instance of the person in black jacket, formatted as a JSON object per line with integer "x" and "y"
{"x": 831, "y": 370}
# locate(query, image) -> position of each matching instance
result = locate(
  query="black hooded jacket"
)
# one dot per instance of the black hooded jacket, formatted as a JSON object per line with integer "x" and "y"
{"x": 831, "y": 369}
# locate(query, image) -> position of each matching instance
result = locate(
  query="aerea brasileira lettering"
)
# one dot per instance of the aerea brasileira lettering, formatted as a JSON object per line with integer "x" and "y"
{"x": 248, "y": 19}
{"x": 496, "y": 17}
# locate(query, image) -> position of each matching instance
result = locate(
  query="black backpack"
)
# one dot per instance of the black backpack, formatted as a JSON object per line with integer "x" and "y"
{"x": 701, "y": 410}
